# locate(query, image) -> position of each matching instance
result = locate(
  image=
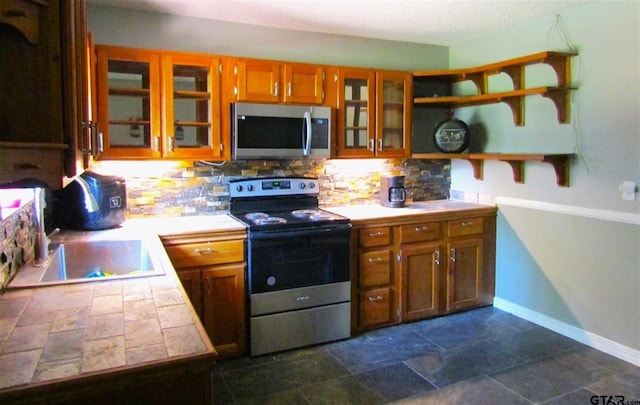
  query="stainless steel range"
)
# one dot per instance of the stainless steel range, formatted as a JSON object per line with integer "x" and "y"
{"x": 298, "y": 263}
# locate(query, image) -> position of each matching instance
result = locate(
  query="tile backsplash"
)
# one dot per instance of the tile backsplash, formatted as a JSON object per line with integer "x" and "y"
{"x": 202, "y": 189}
{"x": 17, "y": 236}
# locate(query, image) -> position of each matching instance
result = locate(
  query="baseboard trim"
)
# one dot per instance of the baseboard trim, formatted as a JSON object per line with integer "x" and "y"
{"x": 588, "y": 338}
{"x": 606, "y": 215}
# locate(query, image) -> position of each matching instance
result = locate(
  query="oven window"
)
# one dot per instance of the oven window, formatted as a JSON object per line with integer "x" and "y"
{"x": 298, "y": 260}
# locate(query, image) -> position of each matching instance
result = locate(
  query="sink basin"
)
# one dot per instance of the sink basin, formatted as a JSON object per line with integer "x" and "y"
{"x": 73, "y": 262}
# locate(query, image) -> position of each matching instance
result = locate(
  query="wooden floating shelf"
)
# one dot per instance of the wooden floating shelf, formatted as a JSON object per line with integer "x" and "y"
{"x": 560, "y": 62}
{"x": 560, "y": 163}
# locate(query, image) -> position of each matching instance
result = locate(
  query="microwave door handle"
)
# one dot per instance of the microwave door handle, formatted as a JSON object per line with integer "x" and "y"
{"x": 306, "y": 134}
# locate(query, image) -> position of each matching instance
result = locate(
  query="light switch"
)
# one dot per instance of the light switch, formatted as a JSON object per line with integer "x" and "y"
{"x": 628, "y": 189}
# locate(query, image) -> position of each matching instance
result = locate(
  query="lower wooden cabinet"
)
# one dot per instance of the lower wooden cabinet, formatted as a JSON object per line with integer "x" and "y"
{"x": 223, "y": 309}
{"x": 421, "y": 281}
{"x": 212, "y": 272}
{"x": 413, "y": 268}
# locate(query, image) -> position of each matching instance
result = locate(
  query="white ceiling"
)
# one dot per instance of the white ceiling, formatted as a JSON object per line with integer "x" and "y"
{"x": 439, "y": 22}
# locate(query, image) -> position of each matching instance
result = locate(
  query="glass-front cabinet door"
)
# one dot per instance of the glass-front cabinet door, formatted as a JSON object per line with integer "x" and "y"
{"x": 393, "y": 114}
{"x": 356, "y": 119}
{"x": 191, "y": 119}
{"x": 374, "y": 113}
{"x": 154, "y": 105}
{"x": 128, "y": 103}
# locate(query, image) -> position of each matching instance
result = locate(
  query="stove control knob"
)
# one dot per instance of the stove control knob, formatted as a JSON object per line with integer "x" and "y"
{"x": 302, "y": 186}
{"x": 249, "y": 187}
{"x": 239, "y": 187}
{"x": 312, "y": 185}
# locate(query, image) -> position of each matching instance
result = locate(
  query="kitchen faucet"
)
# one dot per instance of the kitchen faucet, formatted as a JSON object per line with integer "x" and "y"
{"x": 42, "y": 239}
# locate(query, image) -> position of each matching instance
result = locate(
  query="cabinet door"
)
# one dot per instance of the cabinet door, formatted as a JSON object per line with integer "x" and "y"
{"x": 393, "y": 114}
{"x": 376, "y": 307}
{"x": 191, "y": 106}
{"x": 303, "y": 84}
{"x": 464, "y": 278}
{"x": 356, "y": 117}
{"x": 421, "y": 281}
{"x": 224, "y": 308}
{"x": 191, "y": 283}
{"x": 128, "y": 84}
{"x": 31, "y": 72}
{"x": 257, "y": 81}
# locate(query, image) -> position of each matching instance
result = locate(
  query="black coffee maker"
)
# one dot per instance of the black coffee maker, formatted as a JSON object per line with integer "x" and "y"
{"x": 392, "y": 192}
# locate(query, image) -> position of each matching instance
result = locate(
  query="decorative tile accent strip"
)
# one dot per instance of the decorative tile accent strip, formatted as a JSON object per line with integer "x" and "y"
{"x": 17, "y": 237}
{"x": 204, "y": 190}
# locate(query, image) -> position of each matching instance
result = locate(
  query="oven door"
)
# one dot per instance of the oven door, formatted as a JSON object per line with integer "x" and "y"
{"x": 285, "y": 259}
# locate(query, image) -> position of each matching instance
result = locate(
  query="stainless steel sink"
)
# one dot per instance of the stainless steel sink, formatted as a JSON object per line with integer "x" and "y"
{"x": 73, "y": 262}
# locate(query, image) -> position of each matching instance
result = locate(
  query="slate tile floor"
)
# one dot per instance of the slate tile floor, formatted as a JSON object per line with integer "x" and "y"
{"x": 483, "y": 356}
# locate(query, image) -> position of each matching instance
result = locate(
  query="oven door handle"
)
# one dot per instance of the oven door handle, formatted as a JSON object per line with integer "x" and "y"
{"x": 297, "y": 233}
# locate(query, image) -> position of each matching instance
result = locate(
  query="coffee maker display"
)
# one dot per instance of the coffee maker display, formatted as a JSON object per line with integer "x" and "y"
{"x": 392, "y": 192}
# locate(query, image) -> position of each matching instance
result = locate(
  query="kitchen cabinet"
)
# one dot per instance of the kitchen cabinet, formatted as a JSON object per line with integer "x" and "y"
{"x": 41, "y": 67}
{"x": 374, "y": 113}
{"x": 464, "y": 278}
{"x": 277, "y": 82}
{"x": 158, "y": 105}
{"x": 419, "y": 266}
{"x": 212, "y": 271}
{"x": 376, "y": 279}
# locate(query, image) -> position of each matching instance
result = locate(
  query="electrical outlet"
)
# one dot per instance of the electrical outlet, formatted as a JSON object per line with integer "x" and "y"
{"x": 628, "y": 189}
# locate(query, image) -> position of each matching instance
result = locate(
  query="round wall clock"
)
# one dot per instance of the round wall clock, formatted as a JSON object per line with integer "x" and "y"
{"x": 451, "y": 136}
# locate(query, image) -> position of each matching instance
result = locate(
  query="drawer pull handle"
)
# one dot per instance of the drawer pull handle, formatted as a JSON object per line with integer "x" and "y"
{"x": 27, "y": 166}
{"x": 304, "y": 298}
{"x": 422, "y": 228}
{"x": 378, "y": 298}
{"x": 15, "y": 14}
{"x": 207, "y": 251}
{"x": 375, "y": 235}
{"x": 376, "y": 260}
{"x": 437, "y": 259}
{"x": 467, "y": 223}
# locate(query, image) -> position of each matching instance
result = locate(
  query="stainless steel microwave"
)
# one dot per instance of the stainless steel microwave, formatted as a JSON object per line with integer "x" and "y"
{"x": 277, "y": 131}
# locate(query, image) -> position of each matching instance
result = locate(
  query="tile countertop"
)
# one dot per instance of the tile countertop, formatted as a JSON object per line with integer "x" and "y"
{"x": 65, "y": 332}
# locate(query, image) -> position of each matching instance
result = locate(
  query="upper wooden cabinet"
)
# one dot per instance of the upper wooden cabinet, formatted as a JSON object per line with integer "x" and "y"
{"x": 155, "y": 104}
{"x": 374, "y": 113}
{"x": 42, "y": 83}
{"x": 275, "y": 82}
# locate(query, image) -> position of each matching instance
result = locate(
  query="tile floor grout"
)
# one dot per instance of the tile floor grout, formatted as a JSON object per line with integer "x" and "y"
{"x": 484, "y": 355}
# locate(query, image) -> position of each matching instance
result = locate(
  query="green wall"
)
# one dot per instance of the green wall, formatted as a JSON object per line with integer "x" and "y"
{"x": 568, "y": 257}
{"x": 115, "y": 26}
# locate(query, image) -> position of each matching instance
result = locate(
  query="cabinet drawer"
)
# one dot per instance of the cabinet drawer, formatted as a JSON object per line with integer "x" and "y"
{"x": 375, "y": 306}
{"x": 375, "y": 268}
{"x": 40, "y": 164}
{"x": 462, "y": 227}
{"x": 420, "y": 232}
{"x": 206, "y": 253}
{"x": 375, "y": 236}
